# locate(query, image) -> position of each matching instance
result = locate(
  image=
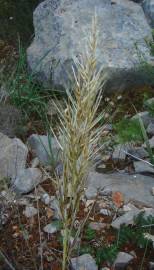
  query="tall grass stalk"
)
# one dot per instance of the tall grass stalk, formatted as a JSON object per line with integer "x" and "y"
{"x": 79, "y": 134}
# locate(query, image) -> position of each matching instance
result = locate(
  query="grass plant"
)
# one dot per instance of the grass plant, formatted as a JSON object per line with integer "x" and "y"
{"x": 79, "y": 134}
{"x": 24, "y": 92}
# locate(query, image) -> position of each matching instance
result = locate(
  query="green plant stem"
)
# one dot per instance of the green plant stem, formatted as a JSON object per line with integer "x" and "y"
{"x": 65, "y": 248}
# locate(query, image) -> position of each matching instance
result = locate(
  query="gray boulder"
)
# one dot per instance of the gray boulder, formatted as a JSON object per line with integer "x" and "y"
{"x": 44, "y": 147}
{"x": 61, "y": 30}
{"x": 134, "y": 187}
{"x": 13, "y": 155}
{"x": 148, "y": 7}
{"x": 85, "y": 262}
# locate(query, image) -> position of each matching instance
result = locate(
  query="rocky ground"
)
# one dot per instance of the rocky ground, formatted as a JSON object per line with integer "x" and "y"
{"x": 30, "y": 219}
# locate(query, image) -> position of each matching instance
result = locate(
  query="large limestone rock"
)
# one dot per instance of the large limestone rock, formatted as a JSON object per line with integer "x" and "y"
{"x": 13, "y": 155}
{"x": 61, "y": 31}
{"x": 135, "y": 187}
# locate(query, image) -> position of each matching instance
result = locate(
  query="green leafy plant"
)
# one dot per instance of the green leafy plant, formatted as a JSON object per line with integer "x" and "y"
{"x": 90, "y": 234}
{"x": 128, "y": 130}
{"x": 106, "y": 254}
{"x": 24, "y": 92}
{"x": 135, "y": 234}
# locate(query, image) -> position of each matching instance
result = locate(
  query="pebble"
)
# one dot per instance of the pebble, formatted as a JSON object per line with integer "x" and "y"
{"x": 83, "y": 262}
{"x": 50, "y": 228}
{"x": 127, "y": 219}
{"x": 122, "y": 260}
{"x": 30, "y": 211}
{"x": 46, "y": 198}
{"x": 105, "y": 212}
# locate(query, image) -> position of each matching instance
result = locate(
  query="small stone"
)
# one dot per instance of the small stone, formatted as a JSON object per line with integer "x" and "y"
{"x": 26, "y": 180}
{"x": 91, "y": 193}
{"x": 105, "y": 212}
{"x": 127, "y": 219}
{"x": 54, "y": 205}
{"x": 152, "y": 191}
{"x": 151, "y": 265}
{"x": 122, "y": 260}
{"x": 133, "y": 253}
{"x": 51, "y": 228}
{"x": 46, "y": 198}
{"x": 97, "y": 226}
{"x": 30, "y": 211}
{"x": 128, "y": 207}
{"x": 84, "y": 262}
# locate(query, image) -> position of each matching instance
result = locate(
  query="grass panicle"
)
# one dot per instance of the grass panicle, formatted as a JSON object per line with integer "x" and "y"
{"x": 79, "y": 134}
